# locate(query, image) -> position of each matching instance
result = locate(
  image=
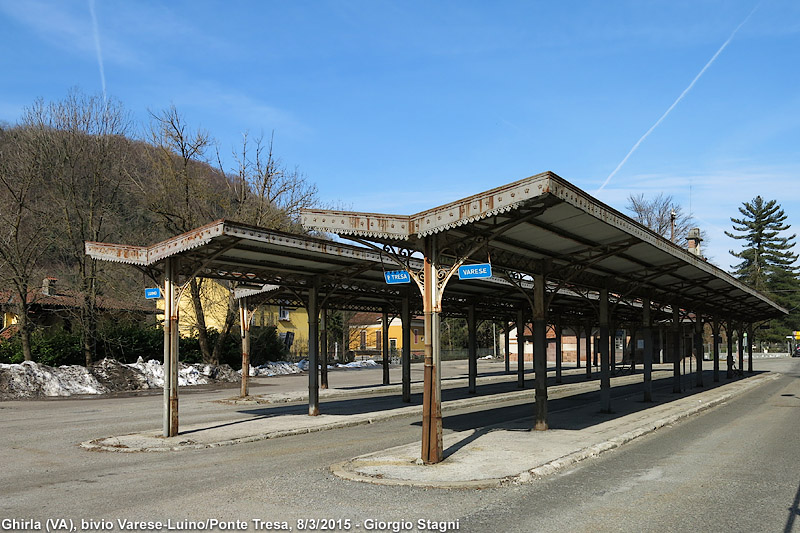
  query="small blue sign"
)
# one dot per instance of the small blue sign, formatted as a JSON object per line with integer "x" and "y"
{"x": 481, "y": 271}
{"x": 397, "y": 276}
{"x": 152, "y": 294}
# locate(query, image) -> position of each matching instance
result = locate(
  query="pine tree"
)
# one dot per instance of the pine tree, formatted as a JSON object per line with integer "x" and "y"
{"x": 768, "y": 262}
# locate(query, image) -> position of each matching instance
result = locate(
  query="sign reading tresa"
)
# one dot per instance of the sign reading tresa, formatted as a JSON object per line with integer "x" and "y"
{"x": 397, "y": 276}
{"x": 480, "y": 271}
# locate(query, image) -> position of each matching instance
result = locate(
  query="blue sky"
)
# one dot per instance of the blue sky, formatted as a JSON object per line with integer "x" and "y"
{"x": 397, "y": 107}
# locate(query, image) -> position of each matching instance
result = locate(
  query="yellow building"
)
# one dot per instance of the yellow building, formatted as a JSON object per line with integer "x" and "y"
{"x": 216, "y": 300}
{"x": 366, "y": 334}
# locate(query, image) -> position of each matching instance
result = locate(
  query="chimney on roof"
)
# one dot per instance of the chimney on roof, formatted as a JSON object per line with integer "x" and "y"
{"x": 49, "y": 286}
{"x": 694, "y": 242}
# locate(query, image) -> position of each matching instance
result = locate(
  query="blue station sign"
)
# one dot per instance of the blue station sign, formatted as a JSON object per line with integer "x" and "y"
{"x": 397, "y": 276}
{"x": 480, "y": 271}
{"x": 152, "y": 294}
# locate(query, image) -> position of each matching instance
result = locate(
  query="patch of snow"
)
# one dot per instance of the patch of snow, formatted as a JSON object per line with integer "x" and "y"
{"x": 153, "y": 371}
{"x": 29, "y": 379}
{"x": 486, "y": 357}
{"x": 368, "y": 363}
{"x": 278, "y": 368}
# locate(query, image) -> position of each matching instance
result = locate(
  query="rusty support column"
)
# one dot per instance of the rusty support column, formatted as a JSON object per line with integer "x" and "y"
{"x": 472, "y": 348}
{"x": 740, "y": 330}
{"x": 244, "y": 327}
{"x": 521, "y": 349}
{"x": 385, "y": 345}
{"x": 676, "y": 349}
{"x": 605, "y": 367}
{"x": 647, "y": 335}
{"x": 612, "y": 348}
{"x": 540, "y": 351}
{"x": 507, "y": 345}
{"x": 729, "y": 359}
{"x": 750, "y": 348}
{"x": 698, "y": 348}
{"x": 323, "y": 347}
{"x": 313, "y": 347}
{"x": 588, "y": 327}
{"x": 715, "y": 344}
{"x": 405, "y": 318}
{"x": 432, "y": 447}
{"x": 559, "y": 348}
{"x": 170, "y": 348}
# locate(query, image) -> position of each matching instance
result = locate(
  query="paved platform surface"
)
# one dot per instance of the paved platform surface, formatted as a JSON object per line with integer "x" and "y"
{"x": 489, "y": 456}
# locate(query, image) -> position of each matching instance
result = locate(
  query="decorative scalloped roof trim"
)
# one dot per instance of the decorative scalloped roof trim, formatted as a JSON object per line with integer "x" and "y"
{"x": 361, "y": 233}
{"x": 474, "y": 218}
{"x": 155, "y": 255}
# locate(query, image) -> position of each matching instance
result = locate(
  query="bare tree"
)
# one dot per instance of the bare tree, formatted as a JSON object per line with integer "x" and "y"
{"x": 183, "y": 192}
{"x": 662, "y": 215}
{"x": 262, "y": 191}
{"x": 83, "y": 172}
{"x": 23, "y": 226}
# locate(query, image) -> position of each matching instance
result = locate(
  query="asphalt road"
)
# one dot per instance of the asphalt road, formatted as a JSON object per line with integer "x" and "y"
{"x": 730, "y": 469}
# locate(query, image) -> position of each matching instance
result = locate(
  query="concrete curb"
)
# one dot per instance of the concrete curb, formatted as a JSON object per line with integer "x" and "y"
{"x": 341, "y": 469}
{"x": 112, "y": 444}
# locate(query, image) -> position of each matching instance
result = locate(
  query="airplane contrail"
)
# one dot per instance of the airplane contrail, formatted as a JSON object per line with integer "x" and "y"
{"x": 97, "y": 48}
{"x": 685, "y": 91}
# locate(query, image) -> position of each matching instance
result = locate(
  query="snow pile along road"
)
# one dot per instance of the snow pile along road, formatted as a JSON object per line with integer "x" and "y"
{"x": 31, "y": 380}
{"x": 278, "y": 368}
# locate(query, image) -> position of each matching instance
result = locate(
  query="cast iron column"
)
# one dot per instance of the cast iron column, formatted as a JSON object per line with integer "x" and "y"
{"x": 405, "y": 318}
{"x": 588, "y": 327}
{"x": 729, "y": 359}
{"x": 605, "y": 366}
{"x": 540, "y": 351}
{"x": 521, "y": 349}
{"x": 244, "y": 326}
{"x": 750, "y": 348}
{"x": 385, "y": 345}
{"x": 507, "y": 345}
{"x": 170, "y": 348}
{"x": 647, "y": 335}
{"x": 432, "y": 448}
{"x": 558, "y": 332}
{"x": 676, "y": 349}
{"x": 698, "y": 347}
{"x": 323, "y": 346}
{"x": 313, "y": 347}
{"x": 472, "y": 348}
{"x": 715, "y": 334}
{"x": 740, "y": 329}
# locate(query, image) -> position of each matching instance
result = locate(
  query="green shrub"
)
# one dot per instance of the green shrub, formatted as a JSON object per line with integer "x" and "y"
{"x": 11, "y": 351}
{"x": 126, "y": 342}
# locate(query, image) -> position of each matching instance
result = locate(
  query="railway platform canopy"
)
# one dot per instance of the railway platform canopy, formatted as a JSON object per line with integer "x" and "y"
{"x": 554, "y": 255}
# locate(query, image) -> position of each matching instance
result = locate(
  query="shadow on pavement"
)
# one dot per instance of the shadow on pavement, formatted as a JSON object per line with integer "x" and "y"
{"x": 572, "y": 412}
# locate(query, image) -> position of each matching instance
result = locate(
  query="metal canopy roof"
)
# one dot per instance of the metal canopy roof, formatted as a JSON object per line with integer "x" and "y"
{"x": 545, "y": 224}
{"x": 351, "y": 275}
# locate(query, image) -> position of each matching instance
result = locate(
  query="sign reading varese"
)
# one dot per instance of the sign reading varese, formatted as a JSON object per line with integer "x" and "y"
{"x": 480, "y": 271}
{"x": 397, "y": 276}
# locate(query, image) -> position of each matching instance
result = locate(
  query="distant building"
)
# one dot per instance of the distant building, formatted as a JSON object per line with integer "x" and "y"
{"x": 366, "y": 335}
{"x": 55, "y": 307}
{"x": 290, "y": 322}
